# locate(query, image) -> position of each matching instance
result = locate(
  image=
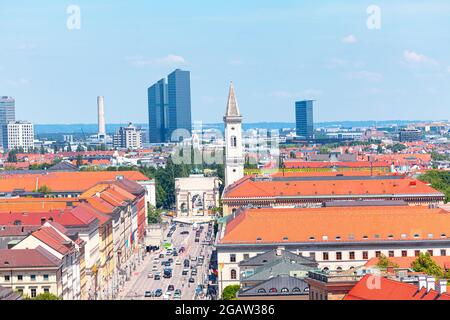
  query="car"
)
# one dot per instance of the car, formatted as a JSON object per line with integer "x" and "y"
{"x": 167, "y": 296}
{"x": 177, "y": 294}
{"x": 175, "y": 254}
{"x": 154, "y": 268}
{"x": 170, "y": 260}
{"x": 170, "y": 287}
{"x": 148, "y": 294}
{"x": 156, "y": 261}
{"x": 161, "y": 255}
{"x": 183, "y": 233}
{"x": 191, "y": 280}
{"x": 185, "y": 272}
{"x": 193, "y": 258}
{"x": 150, "y": 276}
{"x": 197, "y": 240}
{"x": 178, "y": 262}
{"x": 182, "y": 249}
{"x": 157, "y": 277}
{"x": 186, "y": 263}
{"x": 193, "y": 273}
{"x": 158, "y": 293}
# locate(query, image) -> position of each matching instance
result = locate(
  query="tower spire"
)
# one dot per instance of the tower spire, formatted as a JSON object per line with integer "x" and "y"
{"x": 232, "y": 105}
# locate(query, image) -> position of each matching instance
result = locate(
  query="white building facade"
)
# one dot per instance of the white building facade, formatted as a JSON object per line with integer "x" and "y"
{"x": 20, "y": 135}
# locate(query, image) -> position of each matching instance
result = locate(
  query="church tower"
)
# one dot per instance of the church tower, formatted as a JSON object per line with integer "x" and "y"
{"x": 234, "y": 152}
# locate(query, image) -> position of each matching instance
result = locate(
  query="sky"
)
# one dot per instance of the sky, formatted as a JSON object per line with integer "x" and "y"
{"x": 275, "y": 52}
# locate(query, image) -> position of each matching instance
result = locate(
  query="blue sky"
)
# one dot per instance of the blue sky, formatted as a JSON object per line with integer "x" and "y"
{"x": 275, "y": 52}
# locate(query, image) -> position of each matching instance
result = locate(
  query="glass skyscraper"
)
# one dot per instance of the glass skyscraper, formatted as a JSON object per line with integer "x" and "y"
{"x": 7, "y": 114}
{"x": 304, "y": 119}
{"x": 169, "y": 107}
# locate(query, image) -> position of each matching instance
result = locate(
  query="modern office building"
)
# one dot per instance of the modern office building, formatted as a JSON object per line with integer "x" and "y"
{"x": 20, "y": 134}
{"x": 169, "y": 107}
{"x": 7, "y": 114}
{"x": 158, "y": 112}
{"x": 304, "y": 119}
{"x": 129, "y": 137}
{"x": 410, "y": 134}
{"x": 179, "y": 90}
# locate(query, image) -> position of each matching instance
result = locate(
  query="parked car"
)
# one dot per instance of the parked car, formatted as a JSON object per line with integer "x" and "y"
{"x": 161, "y": 255}
{"x": 175, "y": 254}
{"x": 157, "y": 277}
{"x": 167, "y": 296}
{"x": 193, "y": 258}
{"x": 170, "y": 287}
{"x": 177, "y": 294}
{"x": 191, "y": 280}
{"x": 197, "y": 239}
{"x": 178, "y": 262}
{"x": 158, "y": 293}
{"x": 154, "y": 268}
{"x": 148, "y": 294}
{"x": 150, "y": 276}
{"x": 185, "y": 272}
{"x": 184, "y": 232}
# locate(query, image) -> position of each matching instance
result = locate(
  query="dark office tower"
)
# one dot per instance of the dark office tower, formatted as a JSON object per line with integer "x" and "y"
{"x": 7, "y": 114}
{"x": 304, "y": 119}
{"x": 157, "y": 112}
{"x": 179, "y": 89}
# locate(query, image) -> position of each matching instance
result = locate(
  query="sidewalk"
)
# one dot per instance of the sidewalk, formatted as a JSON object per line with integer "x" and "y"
{"x": 124, "y": 292}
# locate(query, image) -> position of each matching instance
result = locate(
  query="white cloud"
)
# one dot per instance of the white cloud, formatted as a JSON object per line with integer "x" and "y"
{"x": 17, "y": 83}
{"x": 236, "y": 62}
{"x": 171, "y": 59}
{"x": 305, "y": 94}
{"x": 412, "y": 57}
{"x": 349, "y": 39}
{"x": 365, "y": 75}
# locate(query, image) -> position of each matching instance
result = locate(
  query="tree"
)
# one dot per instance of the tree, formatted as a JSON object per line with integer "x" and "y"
{"x": 44, "y": 296}
{"x": 424, "y": 263}
{"x": 154, "y": 215}
{"x": 12, "y": 156}
{"x": 384, "y": 262}
{"x": 79, "y": 160}
{"x": 439, "y": 180}
{"x": 44, "y": 189}
{"x": 398, "y": 147}
{"x": 230, "y": 292}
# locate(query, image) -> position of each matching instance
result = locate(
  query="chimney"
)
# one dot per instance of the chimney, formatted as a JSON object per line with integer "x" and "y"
{"x": 442, "y": 286}
{"x": 422, "y": 282}
{"x": 101, "y": 116}
{"x": 431, "y": 282}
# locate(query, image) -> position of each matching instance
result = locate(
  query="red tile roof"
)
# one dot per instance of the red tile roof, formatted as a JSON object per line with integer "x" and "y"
{"x": 63, "y": 181}
{"x": 53, "y": 239}
{"x": 348, "y": 223}
{"x": 248, "y": 187}
{"x": 27, "y": 258}
{"x": 391, "y": 290}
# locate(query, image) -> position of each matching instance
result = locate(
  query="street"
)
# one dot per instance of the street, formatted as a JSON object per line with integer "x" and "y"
{"x": 140, "y": 282}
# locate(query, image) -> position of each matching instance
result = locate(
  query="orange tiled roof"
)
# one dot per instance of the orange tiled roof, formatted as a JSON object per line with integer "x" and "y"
{"x": 248, "y": 188}
{"x": 63, "y": 181}
{"x": 391, "y": 290}
{"x": 34, "y": 204}
{"x": 348, "y": 223}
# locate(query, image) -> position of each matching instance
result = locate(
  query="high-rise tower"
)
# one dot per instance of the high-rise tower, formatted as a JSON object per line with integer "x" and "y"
{"x": 101, "y": 117}
{"x": 7, "y": 114}
{"x": 234, "y": 152}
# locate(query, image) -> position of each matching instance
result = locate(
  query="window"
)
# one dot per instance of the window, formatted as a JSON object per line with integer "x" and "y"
{"x": 7, "y": 278}
{"x": 233, "y": 274}
{"x": 338, "y": 238}
{"x": 296, "y": 289}
{"x": 46, "y": 290}
{"x": 365, "y": 255}
{"x": 325, "y": 256}
{"x": 312, "y": 255}
{"x": 443, "y": 252}
{"x": 19, "y": 277}
{"x": 33, "y": 277}
{"x": 284, "y": 290}
{"x": 351, "y": 255}
{"x": 416, "y": 253}
{"x": 233, "y": 141}
{"x": 338, "y": 255}
{"x": 261, "y": 290}
{"x": 232, "y": 257}
{"x": 246, "y": 256}
{"x": 391, "y": 254}
{"x": 404, "y": 253}
{"x": 430, "y": 252}
{"x": 377, "y": 254}
{"x": 273, "y": 290}
{"x": 339, "y": 269}
{"x": 33, "y": 292}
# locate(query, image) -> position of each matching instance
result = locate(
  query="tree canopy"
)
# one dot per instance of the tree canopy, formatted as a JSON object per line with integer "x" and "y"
{"x": 230, "y": 292}
{"x": 425, "y": 263}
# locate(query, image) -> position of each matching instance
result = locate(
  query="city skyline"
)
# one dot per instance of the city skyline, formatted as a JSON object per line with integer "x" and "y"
{"x": 400, "y": 71}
